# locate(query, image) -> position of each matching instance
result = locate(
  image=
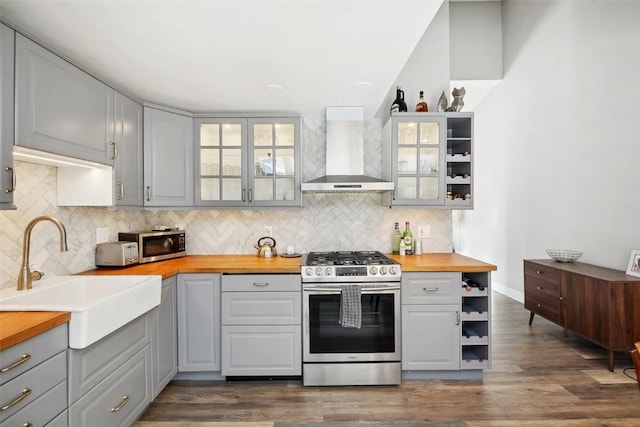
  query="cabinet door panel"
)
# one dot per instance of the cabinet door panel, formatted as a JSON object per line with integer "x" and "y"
{"x": 61, "y": 109}
{"x": 7, "y": 38}
{"x": 128, "y": 155}
{"x": 164, "y": 352}
{"x": 430, "y": 337}
{"x": 586, "y": 306}
{"x": 198, "y": 322}
{"x": 168, "y": 158}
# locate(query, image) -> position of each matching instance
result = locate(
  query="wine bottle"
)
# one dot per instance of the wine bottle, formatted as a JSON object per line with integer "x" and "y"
{"x": 397, "y": 236}
{"x": 422, "y": 106}
{"x": 407, "y": 238}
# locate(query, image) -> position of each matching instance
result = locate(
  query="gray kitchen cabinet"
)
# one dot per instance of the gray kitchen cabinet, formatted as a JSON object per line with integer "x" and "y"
{"x": 429, "y": 158}
{"x": 261, "y": 325}
{"x": 7, "y": 173}
{"x": 33, "y": 374}
{"x": 198, "y": 322}
{"x": 109, "y": 382}
{"x": 430, "y": 321}
{"x": 59, "y": 108}
{"x": 168, "y": 158}
{"x": 128, "y": 160}
{"x": 164, "y": 337}
{"x": 247, "y": 162}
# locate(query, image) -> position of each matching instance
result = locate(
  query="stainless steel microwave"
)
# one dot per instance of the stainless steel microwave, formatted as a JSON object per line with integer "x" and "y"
{"x": 156, "y": 245}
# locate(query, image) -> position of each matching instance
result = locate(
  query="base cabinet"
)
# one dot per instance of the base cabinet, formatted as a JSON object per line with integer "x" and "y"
{"x": 261, "y": 325}
{"x": 198, "y": 322}
{"x": 164, "y": 338}
{"x": 430, "y": 321}
{"x": 446, "y": 324}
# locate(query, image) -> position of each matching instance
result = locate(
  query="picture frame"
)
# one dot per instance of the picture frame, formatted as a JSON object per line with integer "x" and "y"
{"x": 633, "y": 268}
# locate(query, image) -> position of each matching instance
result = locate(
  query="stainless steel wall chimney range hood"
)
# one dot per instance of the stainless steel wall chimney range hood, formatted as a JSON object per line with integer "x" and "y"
{"x": 344, "y": 165}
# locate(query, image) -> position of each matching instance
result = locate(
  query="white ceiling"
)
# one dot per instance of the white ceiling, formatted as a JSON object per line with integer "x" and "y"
{"x": 222, "y": 55}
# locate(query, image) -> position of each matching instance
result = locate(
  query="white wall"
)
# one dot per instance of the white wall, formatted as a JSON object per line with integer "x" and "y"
{"x": 557, "y": 144}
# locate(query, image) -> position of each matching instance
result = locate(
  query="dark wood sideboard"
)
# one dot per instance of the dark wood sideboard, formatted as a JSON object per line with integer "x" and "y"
{"x": 599, "y": 303}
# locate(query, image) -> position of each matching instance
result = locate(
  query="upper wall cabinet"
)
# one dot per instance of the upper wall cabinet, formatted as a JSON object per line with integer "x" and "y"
{"x": 61, "y": 109}
{"x": 428, "y": 157}
{"x": 128, "y": 152}
{"x": 7, "y": 174}
{"x": 247, "y": 162}
{"x": 168, "y": 158}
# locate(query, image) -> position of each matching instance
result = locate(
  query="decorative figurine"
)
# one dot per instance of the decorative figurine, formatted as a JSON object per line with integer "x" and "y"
{"x": 458, "y": 102}
{"x": 443, "y": 102}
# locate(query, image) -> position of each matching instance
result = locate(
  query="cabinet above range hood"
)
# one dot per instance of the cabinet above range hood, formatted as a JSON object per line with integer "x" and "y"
{"x": 344, "y": 162}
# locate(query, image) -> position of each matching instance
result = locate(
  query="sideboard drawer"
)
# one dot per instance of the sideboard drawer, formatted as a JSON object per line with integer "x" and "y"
{"x": 542, "y": 272}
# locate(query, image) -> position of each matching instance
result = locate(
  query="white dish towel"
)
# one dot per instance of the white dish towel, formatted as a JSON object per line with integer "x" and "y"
{"x": 350, "y": 307}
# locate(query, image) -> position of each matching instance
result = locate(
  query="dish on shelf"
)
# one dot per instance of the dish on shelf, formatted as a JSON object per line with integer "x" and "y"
{"x": 564, "y": 255}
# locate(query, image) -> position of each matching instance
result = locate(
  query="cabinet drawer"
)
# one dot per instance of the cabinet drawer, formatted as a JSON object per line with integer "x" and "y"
{"x": 261, "y": 283}
{"x": 544, "y": 305}
{"x": 89, "y": 366}
{"x": 33, "y": 383}
{"x": 542, "y": 272}
{"x": 30, "y": 353}
{"x": 261, "y": 308}
{"x": 431, "y": 288}
{"x": 119, "y": 399}
{"x": 261, "y": 350}
{"x": 43, "y": 409}
{"x": 536, "y": 286}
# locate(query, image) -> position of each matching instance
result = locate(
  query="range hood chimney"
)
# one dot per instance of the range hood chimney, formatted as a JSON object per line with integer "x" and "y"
{"x": 344, "y": 163}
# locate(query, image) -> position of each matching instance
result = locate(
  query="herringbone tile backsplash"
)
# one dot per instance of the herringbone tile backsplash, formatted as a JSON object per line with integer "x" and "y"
{"x": 326, "y": 222}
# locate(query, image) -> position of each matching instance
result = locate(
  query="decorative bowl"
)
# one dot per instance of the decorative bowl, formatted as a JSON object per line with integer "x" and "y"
{"x": 564, "y": 255}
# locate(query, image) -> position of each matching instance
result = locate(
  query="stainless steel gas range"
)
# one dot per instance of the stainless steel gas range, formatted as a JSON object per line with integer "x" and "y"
{"x": 364, "y": 288}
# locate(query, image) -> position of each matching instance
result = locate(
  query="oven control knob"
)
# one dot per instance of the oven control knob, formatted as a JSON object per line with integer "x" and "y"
{"x": 328, "y": 271}
{"x": 373, "y": 271}
{"x": 318, "y": 271}
{"x": 383, "y": 270}
{"x": 308, "y": 271}
{"x": 393, "y": 270}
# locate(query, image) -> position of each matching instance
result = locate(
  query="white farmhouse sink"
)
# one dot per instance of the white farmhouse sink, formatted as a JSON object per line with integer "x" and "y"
{"x": 98, "y": 304}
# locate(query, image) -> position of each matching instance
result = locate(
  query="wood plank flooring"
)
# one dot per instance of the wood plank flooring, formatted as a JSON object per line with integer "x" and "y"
{"x": 542, "y": 376}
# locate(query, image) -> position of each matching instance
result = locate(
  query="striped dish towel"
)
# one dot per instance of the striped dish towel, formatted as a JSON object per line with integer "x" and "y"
{"x": 350, "y": 307}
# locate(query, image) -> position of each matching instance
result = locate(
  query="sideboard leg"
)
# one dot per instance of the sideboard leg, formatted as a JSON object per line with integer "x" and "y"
{"x": 531, "y": 318}
{"x": 612, "y": 359}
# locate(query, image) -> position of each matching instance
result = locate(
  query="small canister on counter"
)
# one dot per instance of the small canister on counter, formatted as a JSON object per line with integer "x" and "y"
{"x": 418, "y": 247}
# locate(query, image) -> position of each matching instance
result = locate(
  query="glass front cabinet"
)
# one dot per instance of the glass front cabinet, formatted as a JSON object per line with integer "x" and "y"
{"x": 248, "y": 162}
{"x": 428, "y": 157}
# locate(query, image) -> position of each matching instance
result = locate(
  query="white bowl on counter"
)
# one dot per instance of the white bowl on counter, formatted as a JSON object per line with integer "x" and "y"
{"x": 98, "y": 305}
{"x": 564, "y": 255}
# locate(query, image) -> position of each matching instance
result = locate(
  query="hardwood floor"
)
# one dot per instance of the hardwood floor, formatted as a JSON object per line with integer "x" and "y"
{"x": 541, "y": 376}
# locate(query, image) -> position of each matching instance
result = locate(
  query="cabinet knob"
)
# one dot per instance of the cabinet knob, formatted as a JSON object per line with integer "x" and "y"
{"x": 538, "y": 288}
{"x": 538, "y": 305}
{"x": 538, "y": 272}
{"x": 561, "y": 299}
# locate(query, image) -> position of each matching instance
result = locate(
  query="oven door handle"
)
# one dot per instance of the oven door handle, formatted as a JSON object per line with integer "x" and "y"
{"x": 362, "y": 290}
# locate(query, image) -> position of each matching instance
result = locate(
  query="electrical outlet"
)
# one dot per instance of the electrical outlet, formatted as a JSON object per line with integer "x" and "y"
{"x": 102, "y": 234}
{"x": 268, "y": 231}
{"x": 424, "y": 232}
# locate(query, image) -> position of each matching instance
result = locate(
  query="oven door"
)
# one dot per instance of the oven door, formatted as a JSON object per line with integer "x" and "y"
{"x": 378, "y": 339}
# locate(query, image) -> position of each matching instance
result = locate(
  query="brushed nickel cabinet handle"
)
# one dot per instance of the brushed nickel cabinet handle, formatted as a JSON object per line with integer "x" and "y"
{"x": 260, "y": 284}
{"x": 250, "y": 195}
{"x": 244, "y": 195}
{"x": 13, "y": 180}
{"x": 436, "y": 289}
{"x": 115, "y": 150}
{"x": 125, "y": 400}
{"x": 23, "y": 359}
{"x": 148, "y": 193}
{"x": 23, "y": 395}
{"x": 457, "y": 317}
{"x": 120, "y": 191}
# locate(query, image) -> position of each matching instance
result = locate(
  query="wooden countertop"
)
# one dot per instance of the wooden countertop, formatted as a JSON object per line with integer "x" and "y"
{"x": 16, "y": 327}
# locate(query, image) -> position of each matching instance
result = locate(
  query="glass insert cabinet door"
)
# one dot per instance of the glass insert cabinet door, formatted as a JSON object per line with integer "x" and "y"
{"x": 221, "y": 161}
{"x": 418, "y": 160}
{"x": 273, "y": 161}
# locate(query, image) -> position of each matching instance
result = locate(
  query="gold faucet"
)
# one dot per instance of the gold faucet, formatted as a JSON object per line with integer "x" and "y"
{"x": 26, "y": 277}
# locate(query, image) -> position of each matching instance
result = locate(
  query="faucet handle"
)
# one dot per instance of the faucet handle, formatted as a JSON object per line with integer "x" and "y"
{"x": 36, "y": 275}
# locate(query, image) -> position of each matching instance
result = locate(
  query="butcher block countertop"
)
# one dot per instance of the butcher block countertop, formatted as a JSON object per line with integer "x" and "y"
{"x": 16, "y": 327}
